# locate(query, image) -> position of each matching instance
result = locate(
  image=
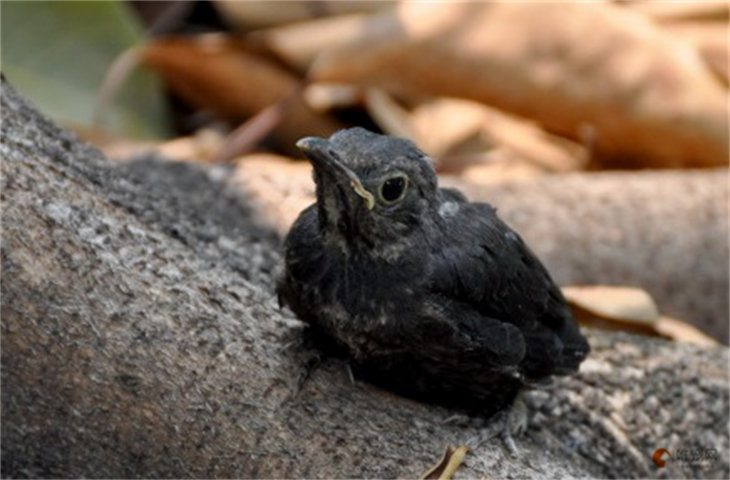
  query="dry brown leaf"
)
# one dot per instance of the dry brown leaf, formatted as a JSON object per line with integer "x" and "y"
{"x": 300, "y": 43}
{"x": 392, "y": 118}
{"x": 704, "y": 25}
{"x": 446, "y": 124}
{"x": 322, "y": 97}
{"x": 467, "y": 137}
{"x": 680, "y": 331}
{"x": 621, "y": 303}
{"x": 451, "y": 132}
{"x": 710, "y": 39}
{"x": 649, "y": 98}
{"x": 665, "y": 11}
{"x": 701, "y": 24}
{"x": 216, "y": 73}
{"x": 261, "y": 14}
{"x": 631, "y": 309}
{"x": 448, "y": 464}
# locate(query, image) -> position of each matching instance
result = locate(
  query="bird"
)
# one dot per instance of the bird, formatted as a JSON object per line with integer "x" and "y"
{"x": 425, "y": 293}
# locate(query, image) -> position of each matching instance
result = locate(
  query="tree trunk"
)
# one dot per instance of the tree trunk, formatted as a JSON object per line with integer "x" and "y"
{"x": 141, "y": 338}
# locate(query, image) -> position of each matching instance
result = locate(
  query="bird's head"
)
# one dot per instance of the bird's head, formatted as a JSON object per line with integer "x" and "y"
{"x": 373, "y": 190}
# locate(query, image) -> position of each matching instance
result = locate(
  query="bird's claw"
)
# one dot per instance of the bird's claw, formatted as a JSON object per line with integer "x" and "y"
{"x": 505, "y": 425}
{"x": 312, "y": 364}
{"x": 517, "y": 417}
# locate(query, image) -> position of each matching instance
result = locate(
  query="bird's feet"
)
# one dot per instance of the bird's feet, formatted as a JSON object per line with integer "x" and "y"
{"x": 313, "y": 363}
{"x": 505, "y": 424}
{"x": 517, "y": 417}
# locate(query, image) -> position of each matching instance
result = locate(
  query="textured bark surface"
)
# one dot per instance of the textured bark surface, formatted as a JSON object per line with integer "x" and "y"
{"x": 141, "y": 337}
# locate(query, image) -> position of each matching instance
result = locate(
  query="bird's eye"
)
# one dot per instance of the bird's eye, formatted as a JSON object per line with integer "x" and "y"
{"x": 393, "y": 189}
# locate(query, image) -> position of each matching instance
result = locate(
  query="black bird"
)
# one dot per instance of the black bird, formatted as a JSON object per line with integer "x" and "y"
{"x": 428, "y": 294}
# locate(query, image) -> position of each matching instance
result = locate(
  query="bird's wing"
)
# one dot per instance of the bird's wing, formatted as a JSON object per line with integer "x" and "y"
{"x": 484, "y": 264}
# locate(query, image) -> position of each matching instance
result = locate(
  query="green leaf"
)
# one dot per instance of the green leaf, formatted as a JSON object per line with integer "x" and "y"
{"x": 57, "y": 54}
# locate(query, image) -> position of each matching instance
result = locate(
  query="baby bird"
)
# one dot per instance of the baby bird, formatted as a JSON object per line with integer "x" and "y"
{"x": 428, "y": 294}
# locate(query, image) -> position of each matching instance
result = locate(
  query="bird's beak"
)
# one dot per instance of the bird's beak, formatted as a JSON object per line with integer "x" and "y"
{"x": 323, "y": 159}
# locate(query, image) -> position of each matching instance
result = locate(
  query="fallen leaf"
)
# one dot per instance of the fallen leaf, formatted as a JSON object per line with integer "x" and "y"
{"x": 261, "y": 14}
{"x": 463, "y": 135}
{"x": 710, "y": 39}
{"x": 630, "y": 309}
{"x": 452, "y": 126}
{"x": 622, "y": 303}
{"x": 448, "y": 464}
{"x": 392, "y": 118}
{"x": 299, "y": 44}
{"x": 445, "y": 124}
{"x": 217, "y": 73}
{"x": 322, "y": 97}
{"x": 701, "y": 24}
{"x": 649, "y": 99}
{"x": 680, "y": 331}
{"x": 665, "y": 11}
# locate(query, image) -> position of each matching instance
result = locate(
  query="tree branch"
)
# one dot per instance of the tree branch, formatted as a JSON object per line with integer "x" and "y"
{"x": 140, "y": 337}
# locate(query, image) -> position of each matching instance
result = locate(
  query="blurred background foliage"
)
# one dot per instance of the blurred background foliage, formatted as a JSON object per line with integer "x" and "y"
{"x": 493, "y": 91}
{"x": 58, "y": 53}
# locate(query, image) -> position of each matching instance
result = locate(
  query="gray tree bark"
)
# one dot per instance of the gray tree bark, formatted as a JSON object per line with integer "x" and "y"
{"x": 141, "y": 338}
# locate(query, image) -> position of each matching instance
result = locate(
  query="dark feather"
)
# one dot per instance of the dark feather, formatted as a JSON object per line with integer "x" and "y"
{"x": 488, "y": 266}
{"x": 430, "y": 295}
